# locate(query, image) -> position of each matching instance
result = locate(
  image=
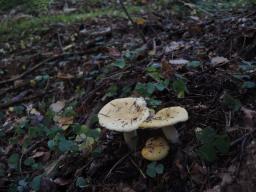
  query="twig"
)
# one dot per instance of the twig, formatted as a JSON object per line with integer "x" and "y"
{"x": 59, "y": 41}
{"x": 13, "y": 88}
{"x": 131, "y": 20}
{"x": 8, "y": 104}
{"x": 116, "y": 164}
{"x": 26, "y": 152}
{"x": 233, "y": 143}
{"x": 52, "y": 166}
{"x": 35, "y": 67}
{"x": 28, "y": 71}
{"x": 135, "y": 165}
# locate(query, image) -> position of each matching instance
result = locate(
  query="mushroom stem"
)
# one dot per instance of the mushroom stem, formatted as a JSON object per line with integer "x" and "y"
{"x": 131, "y": 139}
{"x": 171, "y": 134}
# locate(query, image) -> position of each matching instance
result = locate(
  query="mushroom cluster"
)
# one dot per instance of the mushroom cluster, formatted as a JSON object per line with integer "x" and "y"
{"x": 129, "y": 114}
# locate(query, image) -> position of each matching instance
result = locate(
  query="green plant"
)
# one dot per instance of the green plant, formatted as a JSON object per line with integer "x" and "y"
{"x": 13, "y": 161}
{"x": 154, "y": 168}
{"x": 29, "y": 5}
{"x": 231, "y": 102}
{"x": 120, "y": 63}
{"x": 35, "y": 183}
{"x": 81, "y": 182}
{"x": 179, "y": 86}
{"x": 212, "y": 144}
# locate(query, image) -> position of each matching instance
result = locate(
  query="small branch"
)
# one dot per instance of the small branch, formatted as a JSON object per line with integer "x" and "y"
{"x": 131, "y": 20}
{"x": 27, "y": 72}
{"x": 35, "y": 67}
{"x": 138, "y": 167}
{"x": 116, "y": 164}
{"x": 33, "y": 146}
{"x": 238, "y": 140}
{"x": 11, "y": 103}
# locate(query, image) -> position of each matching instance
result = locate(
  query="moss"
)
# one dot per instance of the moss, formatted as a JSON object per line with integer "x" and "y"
{"x": 12, "y": 28}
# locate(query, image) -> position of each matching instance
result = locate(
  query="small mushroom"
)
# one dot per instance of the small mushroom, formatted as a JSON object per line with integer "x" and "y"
{"x": 124, "y": 115}
{"x": 166, "y": 119}
{"x": 155, "y": 149}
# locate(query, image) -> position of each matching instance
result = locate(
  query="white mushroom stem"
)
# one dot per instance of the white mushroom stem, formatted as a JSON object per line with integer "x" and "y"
{"x": 171, "y": 134}
{"x": 131, "y": 139}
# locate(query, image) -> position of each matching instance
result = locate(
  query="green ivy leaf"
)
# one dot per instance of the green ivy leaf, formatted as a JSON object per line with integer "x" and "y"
{"x": 13, "y": 161}
{"x": 150, "y": 88}
{"x": 160, "y": 86}
{"x": 180, "y": 88}
{"x": 81, "y": 182}
{"x": 141, "y": 88}
{"x": 29, "y": 162}
{"x": 36, "y": 182}
{"x": 248, "y": 85}
{"x": 94, "y": 133}
{"x": 154, "y": 72}
{"x": 120, "y": 63}
{"x": 160, "y": 168}
{"x": 51, "y": 144}
{"x": 222, "y": 144}
{"x": 207, "y": 135}
{"x": 207, "y": 152}
{"x": 65, "y": 145}
{"x": 153, "y": 102}
{"x": 112, "y": 91}
{"x": 153, "y": 169}
{"x": 231, "y": 103}
{"x": 19, "y": 109}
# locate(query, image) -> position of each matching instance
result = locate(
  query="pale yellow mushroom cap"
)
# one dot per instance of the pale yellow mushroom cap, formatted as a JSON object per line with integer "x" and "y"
{"x": 124, "y": 114}
{"x": 155, "y": 149}
{"x": 166, "y": 117}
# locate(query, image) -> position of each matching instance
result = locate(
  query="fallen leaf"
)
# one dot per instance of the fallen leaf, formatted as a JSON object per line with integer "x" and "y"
{"x": 178, "y": 61}
{"x": 58, "y": 106}
{"x": 38, "y": 154}
{"x": 139, "y": 21}
{"x": 64, "y": 122}
{"x": 167, "y": 69}
{"x": 219, "y": 60}
{"x": 63, "y": 76}
{"x": 249, "y": 117}
{"x": 174, "y": 45}
{"x": 62, "y": 181}
{"x": 226, "y": 179}
{"x": 114, "y": 52}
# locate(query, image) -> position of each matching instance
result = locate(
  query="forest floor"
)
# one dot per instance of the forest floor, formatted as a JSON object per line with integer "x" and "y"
{"x": 56, "y": 75}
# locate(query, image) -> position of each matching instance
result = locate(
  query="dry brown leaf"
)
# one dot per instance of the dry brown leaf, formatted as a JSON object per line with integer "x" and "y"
{"x": 64, "y": 122}
{"x": 140, "y": 21}
{"x": 58, "y": 106}
{"x": 166, "y": 69}
{"x": 63, "y": 76}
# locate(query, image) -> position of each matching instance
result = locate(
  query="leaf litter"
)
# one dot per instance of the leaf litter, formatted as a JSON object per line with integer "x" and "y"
{"x": 85, "y": 64}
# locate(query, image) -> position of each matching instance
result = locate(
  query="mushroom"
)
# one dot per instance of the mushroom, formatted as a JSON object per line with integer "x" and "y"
{"x": 165, "y": 119}
{"x": 155, "y": 149}
{"x": 124, "y": 115}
